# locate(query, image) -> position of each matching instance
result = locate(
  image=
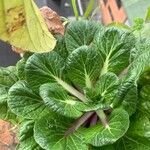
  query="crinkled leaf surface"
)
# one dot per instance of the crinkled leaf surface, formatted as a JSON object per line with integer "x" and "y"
{"x": 144, "y": 103}
{"x": 43, "y": 68}
{"x": 130, "y": 100}
{"x": 23, "y": 26}
{"x": 141, "y": 61}
{"x": 49, "y": 133}
{"x": 24, "y": 102}
{"x": 133, "y": 143}
{"x": 107, "y": 86}
{"x": 29, "y": 144}
{"x": 59, "y": 100}
{"x": 103, "y": 92}
{"x": 8, "y": 77}
{"x": 109, "y": 147}
{"x": 99, "y": 135}
{"x": 79, "y": 33}
{"x": 140, "y": 125}
{"x": 26, "y": 139}
{"x": 6, "y": 113}
{"x": 20, "y": 66}
{"x": 83, "y": 66}
{"x": 114, "y": 46}
{"x": 60, "y": 47}
{"x": 138, "y": 135}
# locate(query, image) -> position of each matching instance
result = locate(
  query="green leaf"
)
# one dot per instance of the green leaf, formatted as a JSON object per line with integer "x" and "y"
{"x": 79, "y": 33}
{"x": 130, "y": 100}
{"x": 49, "y": 133}
{"x": 139, "y": 65}
{"x": 107, "y": 86}
{"x": 109, "y": 147}
{"x": 83, "y": 66}
{"x": 23, "y": 102}
{"x": 99, "y": 135}
{"x": 140, "y": 126}
{"x": 6, "y": 114}
{"x": 60, "y": 47}
{"x": 23, "y": 26}
{"x": 133, "y": 143}
{"x": 26, "y": 130}
{"x": 21, "y": 66}
{"x": 145, "y": 78}
{"x": 43, "y": 68}
{"x": 144, "y": 103}
{"x": 29, "y": 144}
{"x": 138, "y": 135}
{"x": 114, "y": 46}
{"x": 26, "y": 139}
{"x": 57, "y": 99}
{"x": 8, "y": 77}
{"x": 103, "y": 92}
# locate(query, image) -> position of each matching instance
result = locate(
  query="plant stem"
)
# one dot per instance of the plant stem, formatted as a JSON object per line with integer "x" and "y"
{"x": 103, "y": 118}
{"x": 78, "y": 123}
{"x": 75, "y": 10}
{"x": 89, "y": 9}
{"x": 71, "y": 90}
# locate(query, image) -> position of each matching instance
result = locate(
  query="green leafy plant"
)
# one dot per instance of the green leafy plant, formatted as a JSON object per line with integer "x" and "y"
{"x": 90, "y": 92}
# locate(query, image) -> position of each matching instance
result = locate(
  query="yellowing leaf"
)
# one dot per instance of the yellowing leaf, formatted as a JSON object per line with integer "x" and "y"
{"x": 22, "y": 25}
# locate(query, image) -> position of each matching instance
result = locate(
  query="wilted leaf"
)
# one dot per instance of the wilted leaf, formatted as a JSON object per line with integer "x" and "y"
{"x": 23, "y": 26}
{"x": 52, "y": 20}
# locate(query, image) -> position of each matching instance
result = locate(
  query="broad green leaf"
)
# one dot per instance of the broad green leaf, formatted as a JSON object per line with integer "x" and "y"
{"x": 24, "y": 102}
{"x": 140, "y": 125}
{"x": 103, "y": 92}
{"x": 107, "y": 86}
{"x": 26, "y": 139}
{"x": 139, "y": 65}
{"x": 144, "y": 102}
{"x": 99, "y": 135}
{"x": 142, "y": 46}
{"x": 8, "y": 77}
{"x": 60, "y": 101}
{"x": 26, "y": 130}
{"x": 48, "y": 68}
{"x": 6, "y": 114}
{"x": 130, "y": 100}
{"x": 109, "y": 147}
{"x": 145, "y": 78}
{"x": 21, "y": 66}
{"x": 49, "y": 133}
{"x": 29, "y": 144}
{"x": 138, "y": 135}
{"x": 22, "y": 26}
{"x": 79, "y": 33}
{"x": 83, "y": 66}
{"x": 60, "y": 47}
{"x": 114, "y": 46}
{"x": 133, "y": 143}
{"x": 43, "y": 68}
